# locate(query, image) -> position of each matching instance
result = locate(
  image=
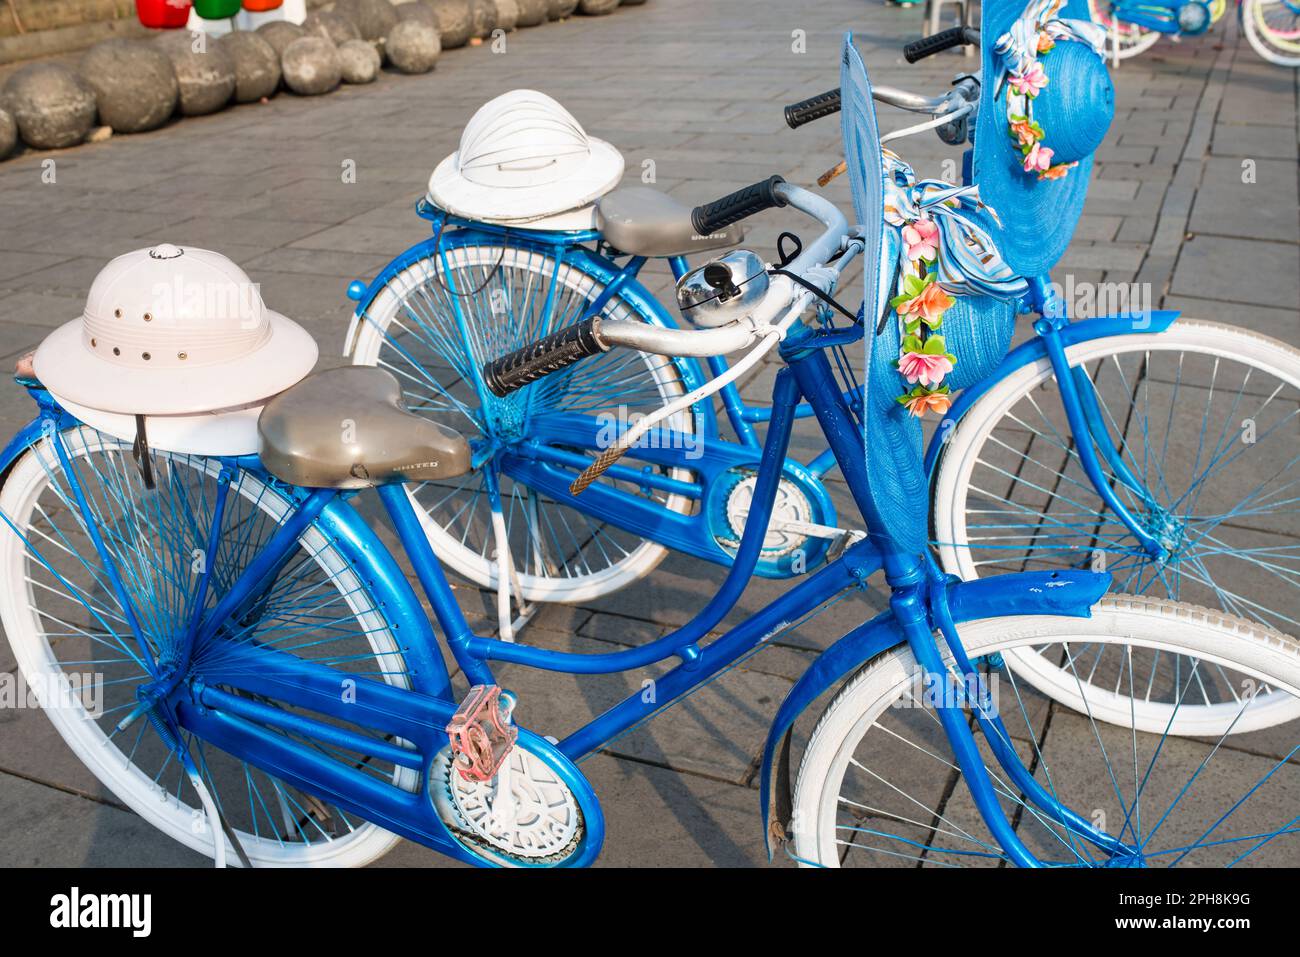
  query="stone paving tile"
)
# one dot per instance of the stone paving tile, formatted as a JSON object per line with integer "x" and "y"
{"x": 1211, "y": 267}
{"x": 1227, "y": 205}
{"x": 46, "y": 827}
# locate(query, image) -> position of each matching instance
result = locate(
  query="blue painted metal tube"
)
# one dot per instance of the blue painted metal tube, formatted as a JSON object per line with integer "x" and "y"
{"x": 205, "y": 581}
{"x": 823, "y": 463}
{"x": 1087, "y": 398}
{"x": 999, "y": 739}
{"x": 654, "y": 480}
{"x": 849, "y": 570}
{"x": 442, "y": 600}
{"x": 817, "y": 382}
{"x": 331, "y": 734}
{"x": 682, "y": 641}
{"x": 909, "y": 607}
{"x": 761, "y": 413}
{"x": 92, "y": 529}
{"x": 1083, "y": 445}
{"x": 253, "y": 578}
{"x": 733, "y": 405}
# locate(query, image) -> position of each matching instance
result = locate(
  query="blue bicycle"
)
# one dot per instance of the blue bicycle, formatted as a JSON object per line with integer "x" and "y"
{"x": 1119, "y": 437}
{"x": 272, "y": 690}
{"x": 1272, "y": 27}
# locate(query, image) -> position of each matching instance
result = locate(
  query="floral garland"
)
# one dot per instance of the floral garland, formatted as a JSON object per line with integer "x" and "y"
{"x": 924, "y": 359}
{"x": 1029, "y": 136}
{"x": 944, "y": 251}
{"x": 1032, "y": 36}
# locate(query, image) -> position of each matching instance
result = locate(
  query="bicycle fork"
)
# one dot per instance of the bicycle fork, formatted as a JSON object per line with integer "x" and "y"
{"x": 920, "y": 609}
{"x": 1090, "y": 434}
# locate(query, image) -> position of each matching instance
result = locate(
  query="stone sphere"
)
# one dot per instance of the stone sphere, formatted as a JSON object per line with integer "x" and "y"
{"x": 597, "y": 8}
{"x": 8, "y": 134}
{"x": 350, "y": 9}
{"x": 375, "y": 18}
{"x": 507, "y": 14}
{"x": 532, "y": 13}
{"x": 413, "y": 47}
{"x": 454, "y": 21}
{"x": 134, "y": 83}
{"x": 279, "y": 34}
{"x": 52, "y": 106}
{"x": 333, "y": 26}
{"x": 311, "y": 66}
{"x": 359, "y": 62}
{"x": 483, "y": 18}
{"x": 206, "y": 79}
{"x": 416, "y": 10}
{"x": 559, "y": 9}
{"x": 257, "y": 67}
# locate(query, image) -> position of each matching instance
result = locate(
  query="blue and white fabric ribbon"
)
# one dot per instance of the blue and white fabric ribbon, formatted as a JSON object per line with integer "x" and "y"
{"x": 968, "y": 262}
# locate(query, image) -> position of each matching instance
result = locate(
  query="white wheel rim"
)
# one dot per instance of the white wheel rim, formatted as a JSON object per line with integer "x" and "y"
{"x": 41, "y": 668}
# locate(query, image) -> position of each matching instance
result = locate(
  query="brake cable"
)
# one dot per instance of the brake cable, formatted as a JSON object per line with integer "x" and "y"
{"x": 787, "y": 258}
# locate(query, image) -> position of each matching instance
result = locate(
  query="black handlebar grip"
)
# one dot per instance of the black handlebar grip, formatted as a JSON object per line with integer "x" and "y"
{"x": 721, "y": 213}
{"x": 550, "y": 354}
{"x": 938, "y": 42}
{"x": 813, "y": 108}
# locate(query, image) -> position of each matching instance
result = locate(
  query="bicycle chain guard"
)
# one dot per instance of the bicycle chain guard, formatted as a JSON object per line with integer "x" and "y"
{"x": 481, "y": 733}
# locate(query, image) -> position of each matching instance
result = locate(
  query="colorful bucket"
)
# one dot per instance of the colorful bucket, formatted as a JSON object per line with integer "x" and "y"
{"x": 163, "y": 14}
{"x": 216, "y": 9}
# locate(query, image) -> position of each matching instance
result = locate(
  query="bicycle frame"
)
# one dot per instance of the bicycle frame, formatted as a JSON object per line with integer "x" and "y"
{"x": 1160, "y": 17}
{"x": 405, "y": 726}
{"x": 541, "y": 466}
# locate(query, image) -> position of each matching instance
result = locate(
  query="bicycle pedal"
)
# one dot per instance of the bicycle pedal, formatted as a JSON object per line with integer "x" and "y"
{"x": 481, "y": 732}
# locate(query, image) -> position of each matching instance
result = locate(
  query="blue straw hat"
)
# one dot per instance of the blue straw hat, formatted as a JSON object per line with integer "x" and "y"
{"x": 1073, "y": 111}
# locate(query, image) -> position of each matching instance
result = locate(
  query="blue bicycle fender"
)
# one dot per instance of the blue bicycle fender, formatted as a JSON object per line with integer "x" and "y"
{"x": 1067, "y": 594}
{"x": 1158, "y": 320}
{"x": 26, "y": 437}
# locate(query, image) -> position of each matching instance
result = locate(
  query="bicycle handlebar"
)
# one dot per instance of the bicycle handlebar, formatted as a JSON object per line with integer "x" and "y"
{"x": 716, "y": 216}
{"x": 596, "y": 335}
{"x": 824, "y": 104}
{"x": 938, "y": 42}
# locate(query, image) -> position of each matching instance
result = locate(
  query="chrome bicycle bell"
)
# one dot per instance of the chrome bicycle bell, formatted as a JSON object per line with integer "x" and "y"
{"x": 722, "y": 290}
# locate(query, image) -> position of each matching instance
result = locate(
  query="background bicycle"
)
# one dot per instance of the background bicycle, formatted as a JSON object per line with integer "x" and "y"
{"x": 1271, "y": 26}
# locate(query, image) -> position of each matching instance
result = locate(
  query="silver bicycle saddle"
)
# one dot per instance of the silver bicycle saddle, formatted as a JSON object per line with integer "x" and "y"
{"x": 645, "y": 222}
{"x": 348, "y": 428}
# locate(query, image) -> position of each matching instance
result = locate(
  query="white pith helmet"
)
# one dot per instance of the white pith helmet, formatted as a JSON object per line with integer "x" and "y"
{"x": 172, "y": 331}
{"x": 523, "y": 157}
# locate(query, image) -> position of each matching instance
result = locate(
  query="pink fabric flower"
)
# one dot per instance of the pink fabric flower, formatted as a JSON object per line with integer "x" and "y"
{"x": 1033, "y": 80}
{"x": 924, "y": 368}
{"x": 928, "y": 305}
{"x": 919, "y": 405}
{"x": 921, "y": 239}
{"x": 1038, "y": 158}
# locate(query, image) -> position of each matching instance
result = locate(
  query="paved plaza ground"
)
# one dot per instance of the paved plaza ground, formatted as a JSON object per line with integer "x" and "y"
{"x": 696, "y": 88}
